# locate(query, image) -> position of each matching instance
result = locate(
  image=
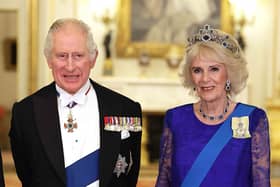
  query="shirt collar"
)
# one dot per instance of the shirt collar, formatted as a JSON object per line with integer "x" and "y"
{"x": 79, "y": 97}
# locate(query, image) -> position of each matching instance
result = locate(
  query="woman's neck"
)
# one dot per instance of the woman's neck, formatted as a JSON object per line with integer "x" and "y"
{"x": 214, "y": 110}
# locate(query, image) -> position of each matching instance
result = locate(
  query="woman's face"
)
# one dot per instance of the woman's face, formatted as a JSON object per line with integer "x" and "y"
{"x": 209, "y": 78}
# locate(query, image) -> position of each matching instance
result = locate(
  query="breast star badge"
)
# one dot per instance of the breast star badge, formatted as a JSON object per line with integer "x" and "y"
{"x": 240, "y": 127}
{"x": 120, "y": 166}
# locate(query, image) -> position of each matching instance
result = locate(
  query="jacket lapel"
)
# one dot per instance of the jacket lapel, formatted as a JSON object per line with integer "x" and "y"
{"x": 110, "y": 141}
{"x": 47, "y": 121}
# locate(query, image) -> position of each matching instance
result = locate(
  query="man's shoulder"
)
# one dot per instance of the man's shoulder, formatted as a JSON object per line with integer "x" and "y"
{"x": 44, "y": 91}
{"x": 108, "y": 93}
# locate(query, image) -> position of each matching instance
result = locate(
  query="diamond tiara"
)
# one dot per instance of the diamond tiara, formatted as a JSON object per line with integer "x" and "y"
{"x": 208, "y": 34}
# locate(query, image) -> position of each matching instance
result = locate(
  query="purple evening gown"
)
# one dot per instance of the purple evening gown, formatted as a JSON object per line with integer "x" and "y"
{"x": 241, "y": 163}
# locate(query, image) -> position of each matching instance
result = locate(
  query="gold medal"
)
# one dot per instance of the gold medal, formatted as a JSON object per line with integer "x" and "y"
{"x": 70, "y": 125}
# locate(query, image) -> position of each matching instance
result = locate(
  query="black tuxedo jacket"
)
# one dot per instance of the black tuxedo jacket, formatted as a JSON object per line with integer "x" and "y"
{"x": 37, "y": 145}
{"x": 1, "y": 172}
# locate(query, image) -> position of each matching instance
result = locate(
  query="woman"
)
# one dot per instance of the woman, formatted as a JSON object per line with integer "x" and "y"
{"x": 215, "y": 142}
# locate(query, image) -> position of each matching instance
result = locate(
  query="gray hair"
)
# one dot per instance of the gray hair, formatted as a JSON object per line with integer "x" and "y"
{"x": 235, "y": 64}
{"x": 60, "y": 23}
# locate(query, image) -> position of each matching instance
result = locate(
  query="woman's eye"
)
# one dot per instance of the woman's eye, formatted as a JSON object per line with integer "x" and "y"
{"x": 214, "y": 69}
{"x": 196, "y": 70}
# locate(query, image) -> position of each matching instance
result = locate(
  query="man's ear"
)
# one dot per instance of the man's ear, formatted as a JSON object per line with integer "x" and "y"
{"x": 93, "y": 61}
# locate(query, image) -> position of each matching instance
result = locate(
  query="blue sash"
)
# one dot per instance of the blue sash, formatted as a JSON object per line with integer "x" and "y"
{"x": 84, "y": 171}
{"x": 212, "y": 149}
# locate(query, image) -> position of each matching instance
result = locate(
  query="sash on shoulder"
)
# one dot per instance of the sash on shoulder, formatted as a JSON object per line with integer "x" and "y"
{"x": 84, "y": 171}
{"x": 212, "y": 149}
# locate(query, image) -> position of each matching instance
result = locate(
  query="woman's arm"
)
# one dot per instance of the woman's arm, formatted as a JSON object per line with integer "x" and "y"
{"x": 261, "y": 152}
{"x": 164, "y": 175}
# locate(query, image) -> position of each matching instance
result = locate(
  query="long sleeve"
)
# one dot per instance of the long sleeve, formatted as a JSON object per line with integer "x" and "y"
{"x": 261, "y": 153}
{"x": 164, "y": 176}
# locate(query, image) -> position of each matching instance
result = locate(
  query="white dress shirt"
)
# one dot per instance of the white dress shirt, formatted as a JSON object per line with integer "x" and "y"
{"x": 84, "y": 139}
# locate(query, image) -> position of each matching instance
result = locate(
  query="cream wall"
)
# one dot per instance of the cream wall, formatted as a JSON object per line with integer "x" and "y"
{"x": 48, "y": 12}
{"x": 276, "y": 49}
{"x": 261, "y": 37}
{"x": 16, "y": 85}
{"x": 7, "y": 77}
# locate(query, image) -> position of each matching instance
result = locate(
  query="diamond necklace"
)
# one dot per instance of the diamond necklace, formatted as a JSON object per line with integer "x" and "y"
{"x": 214, "y": 118}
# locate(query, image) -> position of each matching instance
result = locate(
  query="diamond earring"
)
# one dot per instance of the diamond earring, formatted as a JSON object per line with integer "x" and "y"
{"x": 228, "y": 86}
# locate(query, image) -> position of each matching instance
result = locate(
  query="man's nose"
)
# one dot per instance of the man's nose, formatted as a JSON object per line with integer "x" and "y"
{"x": 70, "y": 65}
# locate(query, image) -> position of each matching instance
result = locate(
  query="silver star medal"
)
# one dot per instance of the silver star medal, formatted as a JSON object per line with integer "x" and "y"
{"x": 120, "y": 166}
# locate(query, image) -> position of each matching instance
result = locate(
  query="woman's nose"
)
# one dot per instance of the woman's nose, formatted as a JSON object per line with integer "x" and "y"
{"x": 205, "y": 76}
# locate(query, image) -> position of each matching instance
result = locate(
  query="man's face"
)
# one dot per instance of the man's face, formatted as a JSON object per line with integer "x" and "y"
{"x": 70, "y": 60}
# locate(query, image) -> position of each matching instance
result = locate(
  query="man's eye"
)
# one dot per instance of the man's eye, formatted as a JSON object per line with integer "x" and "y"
{"x": 61, "y": 56}
{"x": 78, "y": 56}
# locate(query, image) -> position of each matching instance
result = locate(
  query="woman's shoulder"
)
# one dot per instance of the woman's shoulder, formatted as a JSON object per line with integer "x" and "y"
{"x": 257, "y": 117}
{"x": 256, "y": 112}
{"x": 253, "y": 107}
{"x": 174, "y": 117}
{"x": 185, "y": 108}
{"x": 188, "y": 106}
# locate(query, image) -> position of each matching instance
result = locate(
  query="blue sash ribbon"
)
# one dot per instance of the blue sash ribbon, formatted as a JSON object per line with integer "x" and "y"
{"x": 212, "y": 149}
{"x": 84, "y": 171}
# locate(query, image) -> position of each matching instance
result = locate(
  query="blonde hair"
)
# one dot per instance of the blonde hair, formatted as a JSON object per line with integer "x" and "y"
{"x": 234, "y": 62}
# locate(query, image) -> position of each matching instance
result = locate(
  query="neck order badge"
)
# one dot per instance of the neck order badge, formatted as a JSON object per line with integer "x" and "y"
{"x": 70, "y": 125}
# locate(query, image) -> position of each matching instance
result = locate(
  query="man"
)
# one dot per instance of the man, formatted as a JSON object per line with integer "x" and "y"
{"x": 75, "y": 132}
{"x": 1, "y": 172}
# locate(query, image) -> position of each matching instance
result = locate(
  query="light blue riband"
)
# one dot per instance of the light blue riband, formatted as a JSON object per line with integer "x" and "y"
{"x": 210, "y": 152}
{"x": 84, "y": 171}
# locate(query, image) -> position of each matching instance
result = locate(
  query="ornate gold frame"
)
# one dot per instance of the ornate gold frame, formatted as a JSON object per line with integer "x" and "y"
{"x": 126, "y": 48}
{"x": 33, "y": 47}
